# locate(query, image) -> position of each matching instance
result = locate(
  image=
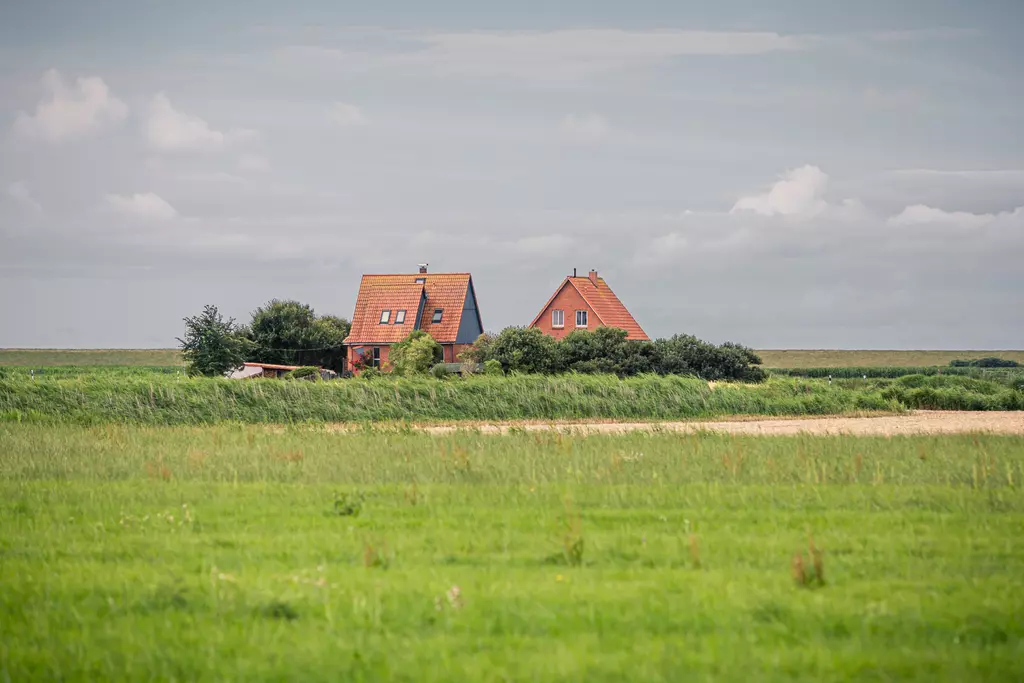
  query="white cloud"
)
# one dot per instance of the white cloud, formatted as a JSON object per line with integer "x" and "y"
{"x": 919, "y": 214}
{"x": 71, "y": 111}
{"x": 345, "y": 114}
{"x": 19, "y": 192}
{"x": 253, "y": 163}
{"x": 146, "y": 205}
{"x": 170, "y": 130}
{"x": 800, "y": 192}
{"x": 587, "y": 128}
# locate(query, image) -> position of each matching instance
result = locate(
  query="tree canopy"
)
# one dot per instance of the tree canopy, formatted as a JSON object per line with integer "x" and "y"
{"x": 290, "y": 333}
{"x": 212, "y": 345}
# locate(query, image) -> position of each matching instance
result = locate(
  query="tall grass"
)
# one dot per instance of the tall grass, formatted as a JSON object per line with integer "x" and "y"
{"x": 178, "y": 400}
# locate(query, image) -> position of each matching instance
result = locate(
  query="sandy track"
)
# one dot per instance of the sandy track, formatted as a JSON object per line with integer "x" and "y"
{"x": 917, "y": 422}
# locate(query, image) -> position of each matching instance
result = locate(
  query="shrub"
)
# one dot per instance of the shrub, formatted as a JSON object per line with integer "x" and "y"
{"x": 414, "y": 355}
{"x": 307, "y": 372}
{"x": 607, "y": 351}
{"x": 440, "y": 371}
{"x": 492, "y": 368}
{"x": 984, "y": 363}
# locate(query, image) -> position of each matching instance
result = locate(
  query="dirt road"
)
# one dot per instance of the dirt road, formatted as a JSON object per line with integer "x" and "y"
{"x": 918, "y": 422}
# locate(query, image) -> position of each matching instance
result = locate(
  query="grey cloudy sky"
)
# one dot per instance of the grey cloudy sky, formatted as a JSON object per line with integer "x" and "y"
{"x": 789, "y": 174}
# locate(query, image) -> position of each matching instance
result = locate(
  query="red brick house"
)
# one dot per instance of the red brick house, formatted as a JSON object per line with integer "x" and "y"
{"x": 389, "y": 307}
{"x": 585, "y": 303}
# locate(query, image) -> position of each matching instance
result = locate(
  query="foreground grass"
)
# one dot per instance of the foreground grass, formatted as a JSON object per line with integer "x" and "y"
{"x": 222, "y": 553}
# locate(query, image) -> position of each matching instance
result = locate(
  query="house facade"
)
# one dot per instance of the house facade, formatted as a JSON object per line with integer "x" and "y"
{"x": 585, "y": 303}
{"x": 389, "y": 307}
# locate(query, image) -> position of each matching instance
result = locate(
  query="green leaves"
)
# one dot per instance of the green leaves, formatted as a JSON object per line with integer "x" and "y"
{"x": 212, "y": 346}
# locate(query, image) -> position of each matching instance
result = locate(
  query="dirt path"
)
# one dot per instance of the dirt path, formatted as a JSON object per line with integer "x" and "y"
{"x": 918, "y": 422}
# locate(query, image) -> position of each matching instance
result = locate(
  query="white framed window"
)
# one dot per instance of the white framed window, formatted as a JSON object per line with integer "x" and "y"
{"x": 438, "y": 314}
{"x": 581, "y": 318}
{"x": 376, "y": 357}
{"x": 385, "y": 316}
{"x": 421, "y": 280}
{"x": 400, "y": 316}
{"x": 558, "y": 318}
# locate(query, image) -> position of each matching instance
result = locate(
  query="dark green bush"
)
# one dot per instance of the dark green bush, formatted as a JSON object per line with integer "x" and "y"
{"x": 989, "y": 362}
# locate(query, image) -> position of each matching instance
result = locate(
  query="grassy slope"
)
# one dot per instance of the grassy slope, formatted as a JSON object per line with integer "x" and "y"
{"x": 841, "y": 359}
{"x": 106, "y": 577}
{"x": 772, "y": 358}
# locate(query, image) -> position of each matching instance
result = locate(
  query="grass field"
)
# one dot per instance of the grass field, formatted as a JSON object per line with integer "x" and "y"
{"x": 234, "y": 553}
{"x": 772, "y": 358}
{"x": 55, "y": 357}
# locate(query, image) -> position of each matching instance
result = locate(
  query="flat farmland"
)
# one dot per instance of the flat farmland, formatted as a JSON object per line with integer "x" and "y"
{"x": 247, "y": 553}
{"x": 825, "y": 358}
{"x": 58, "y": 357}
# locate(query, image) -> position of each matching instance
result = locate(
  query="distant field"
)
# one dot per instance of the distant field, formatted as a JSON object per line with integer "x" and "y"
{"x": 48, "y": 357}
{"x": 792, "y": 358}
{"x": 831, "y": 358}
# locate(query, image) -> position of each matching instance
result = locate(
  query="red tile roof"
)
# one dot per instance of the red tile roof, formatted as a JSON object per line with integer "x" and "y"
{"x": 609, "y": 310}
{"x": 393, "y": 292}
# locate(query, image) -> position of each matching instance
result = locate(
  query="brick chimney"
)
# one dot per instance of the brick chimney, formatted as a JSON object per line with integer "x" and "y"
{"x": 423, "y": 268}
{"x": 593, "y": 277}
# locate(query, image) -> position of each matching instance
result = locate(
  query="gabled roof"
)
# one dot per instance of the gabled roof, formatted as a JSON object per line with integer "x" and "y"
{"x": 379, "y": 293}
{"x": 609, "y": 310}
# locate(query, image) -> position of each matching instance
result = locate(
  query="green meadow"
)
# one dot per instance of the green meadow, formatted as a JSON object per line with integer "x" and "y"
{"x": 242, "y": 553}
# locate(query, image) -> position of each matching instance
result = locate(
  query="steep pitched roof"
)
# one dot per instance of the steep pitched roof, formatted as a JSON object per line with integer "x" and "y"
{"x": 379, "y": 293}
{"x": 606, "y": 306}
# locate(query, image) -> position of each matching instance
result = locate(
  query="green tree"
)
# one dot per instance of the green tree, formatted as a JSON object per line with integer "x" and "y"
{"x": 212, "y": 345}
{"x": 290, "y": 332}
{"x": 414, "y": 355}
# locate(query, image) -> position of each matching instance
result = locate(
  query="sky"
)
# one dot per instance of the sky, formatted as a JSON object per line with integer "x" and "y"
{"x": 787, "y": 174}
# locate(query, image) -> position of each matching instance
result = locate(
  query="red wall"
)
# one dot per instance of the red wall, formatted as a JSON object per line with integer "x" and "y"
{"x": 368, "y": 349}
{"x": 451, "y": 354}
{"x": 570, "y": 301}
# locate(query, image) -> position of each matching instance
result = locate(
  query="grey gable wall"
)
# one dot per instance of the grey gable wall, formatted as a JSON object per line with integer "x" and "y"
{"x": 470, "y": 327}
{"x": 419, "y": 309}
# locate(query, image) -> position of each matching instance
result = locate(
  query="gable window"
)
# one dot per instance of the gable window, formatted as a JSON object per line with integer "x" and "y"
{"x": 400, "y": 316}
{"x": 376, "y": 357}
{"x": 558, "y": 318}
{"x": 385, "y": 316}
{"x": 438, "y": 314}
{"x": 421, "y": 280}
{"x": 581, "y": 318}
